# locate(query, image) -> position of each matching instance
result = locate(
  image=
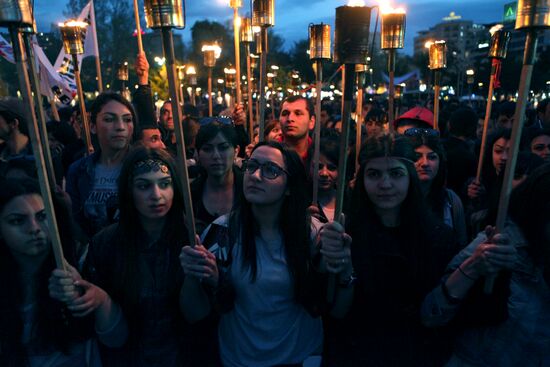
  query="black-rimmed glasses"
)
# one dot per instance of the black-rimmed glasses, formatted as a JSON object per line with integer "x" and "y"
{"x": 268, "y": 170}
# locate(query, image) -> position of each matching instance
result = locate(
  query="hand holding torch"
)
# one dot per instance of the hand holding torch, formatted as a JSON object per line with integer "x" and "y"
{"x": 165, "y": 15}
{"x": 497, "y": 52}
{"x": 319, "y": 50}
{"x": 532, "y": 16}
{"x": 351, "y": 45}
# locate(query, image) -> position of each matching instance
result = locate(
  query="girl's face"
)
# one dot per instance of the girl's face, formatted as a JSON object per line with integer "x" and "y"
{"x": 114, "y": 126}
{"x": 265, "y": 179}
{"x": 24, "y": 228}
{"x": 153, "y": 192}
{"x": 276, "y": 134}
{"x": 386, "y": 182}
{"x": 216, "y": 156}
{"x": 501, "y": 148}
{"x": 427, "y": 163}
{"x": 328, "y": 173}
{"x": 541, "y": 147}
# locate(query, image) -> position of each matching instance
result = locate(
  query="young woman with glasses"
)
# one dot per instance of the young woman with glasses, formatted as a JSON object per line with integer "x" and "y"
{"x": 265, "y": 272}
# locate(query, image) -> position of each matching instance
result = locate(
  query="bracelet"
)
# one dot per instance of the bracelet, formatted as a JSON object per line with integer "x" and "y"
{"x": 450, "y": 298}
{"x": 464, "y": 273}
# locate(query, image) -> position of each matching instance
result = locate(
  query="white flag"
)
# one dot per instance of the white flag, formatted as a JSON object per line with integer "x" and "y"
{"x": 6, "y": 51}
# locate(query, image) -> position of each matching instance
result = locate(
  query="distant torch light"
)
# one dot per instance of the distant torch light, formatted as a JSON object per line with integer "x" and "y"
{"x": 246, "y": 34}
{"x": 438, "y": 55}
{"x": 319, "y": 42}
{"x": 122, "y": 71}
{"x": 263, "y": 13}
{"x": 499, "y": 43}
{"x": 393, "y": 29}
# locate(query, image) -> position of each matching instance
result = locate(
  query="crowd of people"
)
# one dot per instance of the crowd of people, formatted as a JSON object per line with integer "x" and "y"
{"x": 273, "y": 277}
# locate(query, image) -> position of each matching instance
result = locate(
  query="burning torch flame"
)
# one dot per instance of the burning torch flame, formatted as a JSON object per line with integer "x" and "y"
{"x": 356, "y": 3}
{"x": 495, "y": 28}
{"x": 385, "y": 8}
{"x": 229, "y": 71}
{"x": 429, "y": 44}
{"x": 73, "y": 23}
{"x": 217, "y": 50}
{"x": 191, "y": 70}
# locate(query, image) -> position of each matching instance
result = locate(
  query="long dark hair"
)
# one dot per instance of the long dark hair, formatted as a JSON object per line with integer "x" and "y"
{"x": 416, "y": 221}
{"x": 130, "y": 233}
{"x": 437, "y": 195}
{"x": 52, "y": 322}
{"x": 530, "y": 210}
{"x": 293, "y": 220}
{"x": 107, "y": 97}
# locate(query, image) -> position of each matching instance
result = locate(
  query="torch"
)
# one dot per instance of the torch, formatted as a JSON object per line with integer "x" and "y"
{"x": 230, "y": 80}
{"x": 72, "y": 33}
{"x": 122, "y": 76}
{"x": 210, "y": 54}
{"x": 263, "y": 16}
{"x": 497, "y": 51}
{"x": 236, "y": 4}
{"x": 191, "y": 74}
{"x": 14, "y": 15}
{"x": 392, "y": 38}
{"x": 351, "y": 44}
{"x": 532, "y": 16}
{"x": 247, "y": 37}
{"x": 319, "y": 50}
{"x": 165, "y": 15}
{"x": 438, "y": 62}
{"x": 27, "y": 33}
{"x": 360, "y": 70}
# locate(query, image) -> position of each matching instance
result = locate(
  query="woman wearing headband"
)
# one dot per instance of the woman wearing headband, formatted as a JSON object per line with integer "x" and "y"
{"x": 399, "y": 253}
{"x": 133, "y": 277}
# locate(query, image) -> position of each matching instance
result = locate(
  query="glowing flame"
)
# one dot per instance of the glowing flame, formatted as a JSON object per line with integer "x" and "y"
{"x": 428, "y": 44}
{"x": 229, "y": 71}
{"x": 356, "y": 3}
{"x": 495, "y": 28}
{"x": 217, "y": 50}
{"x": 73, "y": 23}
{"x": 238, "y": 22}
{"x": 191, "y": 70}
{"x": 256, "y": 29}
{"x": 385, "y": 8}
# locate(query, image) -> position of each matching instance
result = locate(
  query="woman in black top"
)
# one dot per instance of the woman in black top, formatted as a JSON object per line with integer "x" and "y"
{"x": 398, "y": 252}
{"x": 218, "y": 186}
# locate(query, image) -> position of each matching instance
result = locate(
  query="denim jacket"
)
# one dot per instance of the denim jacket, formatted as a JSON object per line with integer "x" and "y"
{"x": 80, "y": 180}
{"x": 523, "y": 339}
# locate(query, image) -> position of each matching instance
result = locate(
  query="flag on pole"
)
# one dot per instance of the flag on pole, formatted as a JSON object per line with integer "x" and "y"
{"x": 6, "y": 51}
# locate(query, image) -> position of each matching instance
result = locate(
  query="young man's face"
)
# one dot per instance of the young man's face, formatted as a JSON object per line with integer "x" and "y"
{"x": 296, "y": 120}
{"x": 151, "y": 138}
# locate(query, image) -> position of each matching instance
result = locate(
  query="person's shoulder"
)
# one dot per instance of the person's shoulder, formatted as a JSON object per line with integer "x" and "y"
{"x": 82, "y": 163}
{"x": 105, "y": 237}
